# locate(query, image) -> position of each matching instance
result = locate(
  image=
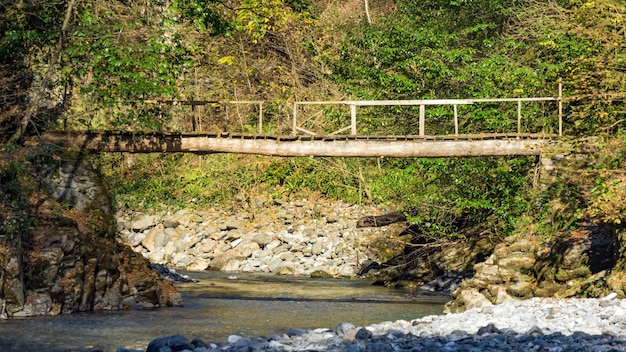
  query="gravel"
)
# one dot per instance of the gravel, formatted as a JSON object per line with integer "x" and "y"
{"x": 537, "y": 324}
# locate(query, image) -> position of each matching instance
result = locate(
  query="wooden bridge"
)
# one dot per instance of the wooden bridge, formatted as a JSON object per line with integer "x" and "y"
{"x": 304, "y": 142}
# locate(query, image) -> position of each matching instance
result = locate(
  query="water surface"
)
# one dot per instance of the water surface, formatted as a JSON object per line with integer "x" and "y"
{"x": 215, "y": 307}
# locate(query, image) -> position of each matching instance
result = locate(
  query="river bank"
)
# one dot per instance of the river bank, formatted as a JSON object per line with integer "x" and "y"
{"x": 304, "y": 237}
{"x": 537, "y": 324}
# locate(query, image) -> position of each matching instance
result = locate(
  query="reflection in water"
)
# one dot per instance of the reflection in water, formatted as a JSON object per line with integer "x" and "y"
{"x": 252, "y": 305}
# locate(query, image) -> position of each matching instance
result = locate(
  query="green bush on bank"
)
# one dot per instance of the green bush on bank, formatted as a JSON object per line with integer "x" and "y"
{"x": 443, "y": 197}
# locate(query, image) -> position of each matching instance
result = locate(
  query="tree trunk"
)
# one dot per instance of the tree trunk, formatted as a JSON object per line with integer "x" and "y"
{"x": 381, "y": 220}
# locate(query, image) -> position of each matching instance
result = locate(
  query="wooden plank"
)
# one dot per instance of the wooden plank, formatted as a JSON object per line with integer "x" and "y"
{"x": 408, "y": 102}
{"x": 421, "y": 120}
{"x": 504, "y": 100}
{"x": 182, "y": 102}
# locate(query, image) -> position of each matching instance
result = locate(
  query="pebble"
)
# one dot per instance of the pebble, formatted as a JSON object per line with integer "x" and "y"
{"x": 576, "y": 325}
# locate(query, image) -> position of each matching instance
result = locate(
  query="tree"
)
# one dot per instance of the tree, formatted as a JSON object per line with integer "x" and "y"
{"x": 27, "y": 31}
{"x": 583, "y": 43}
{"x": 34, "y": 103}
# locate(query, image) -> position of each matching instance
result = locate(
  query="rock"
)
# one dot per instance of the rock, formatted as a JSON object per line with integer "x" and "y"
{"x": 296, "y": 332}
{"x": 346, "y": 330}
{"x": 318, "y": 248}
{"x": 170, "y": 223}
{"x": 347, "y": 271}
{"x": 321, "y": 274}
{"x": 72, "y": 260}
{"x": 331, "y": 219}
{"x": 381, "y": 220}
{"x": 501, "y": 295}
{"x": 578, "y": 325}
{"x": 144, "y": 222}
{"x": 233, "y": 339}
{"x": 171, "y": 343}
{"x": 232, "y": 265}
{"x": 198, "y": 264}
{"x": 447, "y": 282}
{"x": 221, "y": 260}
{"x": 520, "y": 289}
{"x": 286, "y": 268}
{"x": 150, "y": 241}
{"x": 262, "y": 239}
{"x": 198, "y": 342}
{"x": 363, "y": 334}
{"x": 489, "y": 329}
{"x": 519, "y": 262}
{"x": 170, "y": 274}
{"x": 467, "y": 299}
{"x": 230, "y": 225}
{"x": 207, "y": 245}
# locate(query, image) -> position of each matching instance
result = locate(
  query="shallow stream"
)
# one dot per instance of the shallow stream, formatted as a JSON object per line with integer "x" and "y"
{"x": 221, "y": 305}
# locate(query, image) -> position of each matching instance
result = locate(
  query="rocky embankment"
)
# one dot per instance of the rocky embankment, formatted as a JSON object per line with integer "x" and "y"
{"x": 581, "y": 263}
{"x": 58, "y": 252}
{"x": 298, "y": 237}
{"x": 537, "y": 324}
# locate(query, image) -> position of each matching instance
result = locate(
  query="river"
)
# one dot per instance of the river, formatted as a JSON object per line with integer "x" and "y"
{"x": 221, "y": 305}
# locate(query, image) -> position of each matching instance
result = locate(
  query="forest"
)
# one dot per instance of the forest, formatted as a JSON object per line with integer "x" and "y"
{"x": 71, "y": 65}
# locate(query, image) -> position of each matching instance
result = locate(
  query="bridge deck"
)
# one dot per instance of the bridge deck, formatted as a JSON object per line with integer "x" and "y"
{"x": 309, "y": 145}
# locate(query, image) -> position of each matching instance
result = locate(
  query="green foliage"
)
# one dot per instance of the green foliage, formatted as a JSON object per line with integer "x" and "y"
{"x": 557, "y": 208}
{"x": 490, "y": 49}
{"x": 444, "y": 197}
{"x": 259, "y": 17}
{"x": 582, "y": 43}
{"x": 202, "y": 14}
{"x": 453, "y": 51}
{"x": 607, "y": 203}
{"x": 448, "y": 197}
{"x": 120, "y": 63}
{"x": 26, "y": 25}
{"x": 401, "y": 57}
{"x": 178, "y": 181}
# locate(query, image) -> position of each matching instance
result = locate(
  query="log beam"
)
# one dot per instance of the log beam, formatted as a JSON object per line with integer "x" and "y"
{"x": 293, "y": 146}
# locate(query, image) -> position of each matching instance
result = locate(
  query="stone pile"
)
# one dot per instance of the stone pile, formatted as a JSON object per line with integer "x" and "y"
{"x": 531, "y": 325}
{"x": 287, "y": 238}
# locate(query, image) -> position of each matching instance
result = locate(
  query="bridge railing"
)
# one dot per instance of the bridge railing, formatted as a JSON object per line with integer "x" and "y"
{"x": 354, "y": 104}
{"x": 423, "y": 103}
{"x": 195, "y": 119}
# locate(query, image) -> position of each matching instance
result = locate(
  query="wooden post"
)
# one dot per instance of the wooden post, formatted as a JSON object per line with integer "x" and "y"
{"x": 456, "y": 120}
{"x": 353, "y": 119}
{"x": 367, "y": 12}
{"x": 560, "y": 108}
{"x": 193, "y": 118}
{"x": 295, "y": 114}
{"x": 421, "y": 122}
{"x": 519, "y": 116}
{"x": 260, "y": 117}
{"x": 226, "y": 118}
